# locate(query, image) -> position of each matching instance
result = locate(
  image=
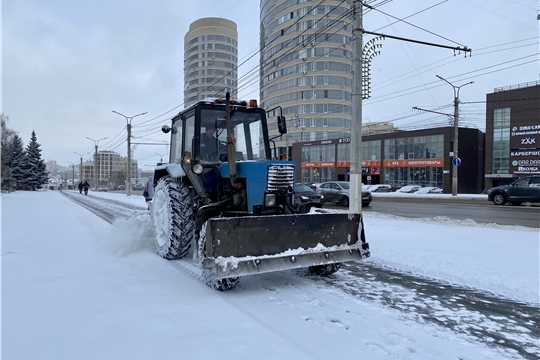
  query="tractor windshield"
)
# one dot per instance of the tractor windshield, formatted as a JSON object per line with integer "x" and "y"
{"x": 247, "y": 126}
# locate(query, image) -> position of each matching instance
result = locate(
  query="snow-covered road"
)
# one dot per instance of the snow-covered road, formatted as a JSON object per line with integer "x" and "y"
{"x": 509, "y": 325}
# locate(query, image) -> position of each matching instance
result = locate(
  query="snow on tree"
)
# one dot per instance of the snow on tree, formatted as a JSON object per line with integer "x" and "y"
{"x": 35, "y": 167}
{"x": 8, "y": 181}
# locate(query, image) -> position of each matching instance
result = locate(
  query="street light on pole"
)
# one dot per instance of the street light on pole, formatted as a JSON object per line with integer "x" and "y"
{"x": 73, "y": 178}
{"x": 80, "y": 166}
{"x": 455, "y": 160}
{"x": 96, "y": 142}
{"x": 128, "y": 120}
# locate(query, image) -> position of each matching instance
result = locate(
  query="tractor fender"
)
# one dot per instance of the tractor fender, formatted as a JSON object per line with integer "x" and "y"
{"x": 173, "y": 170}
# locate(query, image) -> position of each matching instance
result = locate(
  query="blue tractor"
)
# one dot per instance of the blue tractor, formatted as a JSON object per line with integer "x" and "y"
{"x": 225, "y": 197}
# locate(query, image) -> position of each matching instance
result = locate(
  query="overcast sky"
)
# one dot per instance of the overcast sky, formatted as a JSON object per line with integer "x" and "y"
{"x": 68, "y": 64}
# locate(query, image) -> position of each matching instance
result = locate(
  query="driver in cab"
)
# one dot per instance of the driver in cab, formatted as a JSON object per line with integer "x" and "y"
{"x": 210, "y": 145}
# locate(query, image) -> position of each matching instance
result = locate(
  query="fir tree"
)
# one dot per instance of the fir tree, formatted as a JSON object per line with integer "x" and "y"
{"x": 36, "y": 169}
{"x": 8, "y": 181}
{"x": 17, "y": 161}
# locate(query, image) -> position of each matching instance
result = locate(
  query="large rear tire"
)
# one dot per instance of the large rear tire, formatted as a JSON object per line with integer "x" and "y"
{"x": 222, "y": 284}
{"x": 174, "y": 223}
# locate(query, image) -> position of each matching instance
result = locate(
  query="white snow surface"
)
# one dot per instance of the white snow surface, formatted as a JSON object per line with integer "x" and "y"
{"x": 76, "y": 287}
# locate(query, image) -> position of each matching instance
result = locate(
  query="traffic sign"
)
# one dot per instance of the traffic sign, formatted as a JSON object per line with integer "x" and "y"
{"x": 456, "y": 161}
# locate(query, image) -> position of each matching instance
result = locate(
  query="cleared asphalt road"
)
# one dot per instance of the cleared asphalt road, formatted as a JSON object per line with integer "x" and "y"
{"x": 481, "y": 211}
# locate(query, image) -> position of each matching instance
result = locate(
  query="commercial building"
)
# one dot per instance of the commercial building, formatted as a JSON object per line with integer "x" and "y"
{"x": 112, "y": 169}
{"x": 398, "y": 158}
{"x": 210, "y": 59}
{"x": 512, "y": 133}
{"x": 305, "y": 68}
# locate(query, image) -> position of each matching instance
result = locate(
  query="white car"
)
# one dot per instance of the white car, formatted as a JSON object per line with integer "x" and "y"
{"x": 409, "y": 189}
{"x": 380, "y": 188}
{"x": 429, "y": 190}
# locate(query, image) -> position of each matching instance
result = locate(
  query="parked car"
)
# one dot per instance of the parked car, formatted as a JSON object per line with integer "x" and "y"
{"x": 121, "y": 187}
{"x": 526, "y": 189}
{"x": 380, "y": 188}
{"x": 314, "y": 186}
{"x": 103, "y": 188}
{"x": 307, "y": 198}
{"x": 409, "y": 189}
{"x": 429, "y": 190}
{"x": 338, "y": 191}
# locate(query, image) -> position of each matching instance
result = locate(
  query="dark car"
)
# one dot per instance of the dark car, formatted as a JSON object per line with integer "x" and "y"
{"x": 526, "y": 189}
{"x": 103, "y": 188}
{"x": 338, "y": 191}
{"x": 305, "y": 197}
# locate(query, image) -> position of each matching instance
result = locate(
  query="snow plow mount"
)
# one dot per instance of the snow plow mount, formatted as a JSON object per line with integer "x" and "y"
{"x": 260, "y": 244}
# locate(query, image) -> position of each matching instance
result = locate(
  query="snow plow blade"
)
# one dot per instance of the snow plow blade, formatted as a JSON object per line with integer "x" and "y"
{"x": 259, "y": 244}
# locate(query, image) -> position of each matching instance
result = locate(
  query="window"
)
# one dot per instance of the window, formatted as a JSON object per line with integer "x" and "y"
{"x": 313, "y": 94}
{"x": 501, "y": 141}
{"x": 326, "y": 66}
{"x": 312, "y": 122}
{"x": 325, "y": 122}
{"x": 325, "y": 108}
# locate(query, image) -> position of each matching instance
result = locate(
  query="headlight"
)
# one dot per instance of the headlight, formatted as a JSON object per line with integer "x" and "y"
{"x": 197, "y": 169}
{"x": 322, "y": 197}
{"x": 304, "y": 197}
{"x": 270, "y": 200}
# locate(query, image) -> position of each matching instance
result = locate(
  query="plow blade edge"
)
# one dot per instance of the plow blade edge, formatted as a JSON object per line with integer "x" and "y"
{"x": 258, "y": 244}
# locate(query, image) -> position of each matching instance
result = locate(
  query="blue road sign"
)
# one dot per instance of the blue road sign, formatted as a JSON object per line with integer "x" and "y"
{"x": 456, "y": 161}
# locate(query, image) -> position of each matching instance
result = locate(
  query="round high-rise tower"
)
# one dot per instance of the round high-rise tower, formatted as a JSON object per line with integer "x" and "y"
{"x": 305, "y": 67}
{"x": 210, "y": 59}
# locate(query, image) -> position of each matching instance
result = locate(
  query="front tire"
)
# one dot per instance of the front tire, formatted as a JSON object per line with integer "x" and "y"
{"x": 345, "y": 201}
{"x": 172, "y": 214}
{"x": 498, "y": 199}
{"x": 221, "y": 284}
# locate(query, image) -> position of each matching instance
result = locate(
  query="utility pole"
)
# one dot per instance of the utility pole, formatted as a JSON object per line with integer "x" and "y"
{"x": 73, "y": 178}
{"x": 455, "y": 159}
{"x": 128, "y": 120}
{"x": 96, "y": 142}
{"x": 355, "y": 203}
{"x": 80, "y": 166}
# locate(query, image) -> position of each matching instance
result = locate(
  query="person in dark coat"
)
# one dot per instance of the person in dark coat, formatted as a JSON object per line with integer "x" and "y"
{"x": 80, "y": 187}
{"x": 149, "y": 191}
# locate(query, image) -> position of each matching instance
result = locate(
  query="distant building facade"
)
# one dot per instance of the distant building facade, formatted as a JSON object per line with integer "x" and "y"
{"x": 210, "y": 60}
{"x": 399, "y": 158}
{"x": 512, "y": 133}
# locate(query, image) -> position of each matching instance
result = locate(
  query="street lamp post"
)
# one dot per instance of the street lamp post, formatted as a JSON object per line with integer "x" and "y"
{"x": 73, "y": 178}
{"x": 96, "y": 142}
{"x": 128, "y": 120}
{"x": 456, "y": 129}
{"x": 80, "y": 166}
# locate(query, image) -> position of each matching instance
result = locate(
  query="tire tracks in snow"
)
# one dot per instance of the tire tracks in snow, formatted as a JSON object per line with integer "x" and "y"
{"x": 498, "y": 322}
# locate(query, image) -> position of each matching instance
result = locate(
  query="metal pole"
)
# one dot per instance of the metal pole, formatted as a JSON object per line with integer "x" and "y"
{"x": 355, "y": 202}
{"x": 128, "y": 120}
{"x": 96, "y": 142}
{"x": 80, "y": 166}
{"x": 456, "y": 133}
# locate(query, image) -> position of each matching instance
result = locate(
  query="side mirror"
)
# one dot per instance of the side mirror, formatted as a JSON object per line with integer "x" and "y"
{"x": 165, "y": 129}
{"x": 282, "y": 124}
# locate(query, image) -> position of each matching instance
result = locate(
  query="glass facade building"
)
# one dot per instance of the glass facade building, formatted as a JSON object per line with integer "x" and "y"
{"x": 210, "y": 60}
{"x": 305, "y": 67}
{"x": 399, "y": 158}
{"x": 512, "y": 133}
